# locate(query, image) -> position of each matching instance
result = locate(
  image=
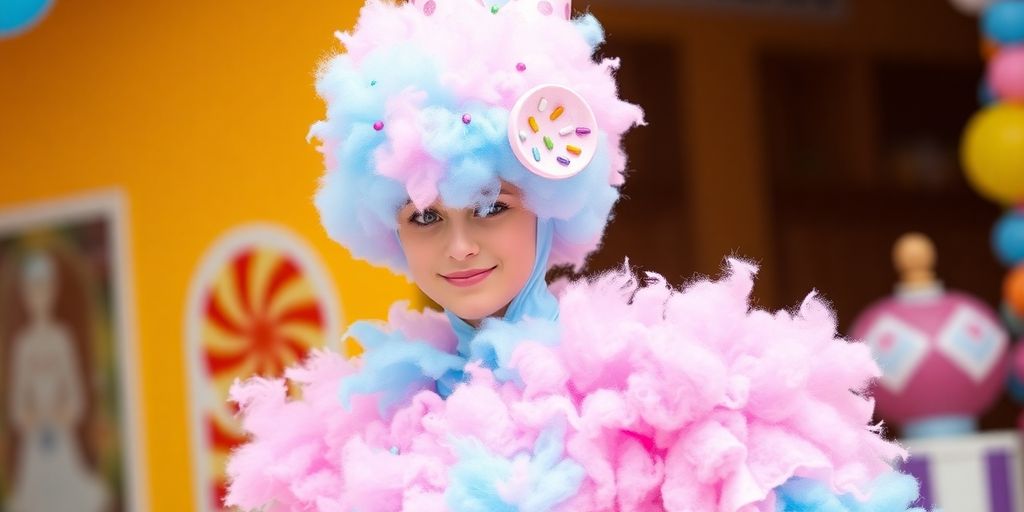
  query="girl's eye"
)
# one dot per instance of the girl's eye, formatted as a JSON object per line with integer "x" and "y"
{"x": 495, "y": 209}
{"x": 425, "y": 218}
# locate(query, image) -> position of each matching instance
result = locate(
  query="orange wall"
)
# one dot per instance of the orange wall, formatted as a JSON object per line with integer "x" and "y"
{"x": 198, "y": 112}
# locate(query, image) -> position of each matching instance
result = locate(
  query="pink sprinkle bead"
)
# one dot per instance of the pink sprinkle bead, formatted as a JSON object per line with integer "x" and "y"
{"x": 466, "y": 118}
{"x": 428, "y": 8}
{"x": 520, "y": 67}
{"x": 379, "y": 125}
{"x": 545, "y": 7}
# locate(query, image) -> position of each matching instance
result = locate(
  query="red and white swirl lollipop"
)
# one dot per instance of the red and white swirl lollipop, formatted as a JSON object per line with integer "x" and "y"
{"x": 552, "y": 131}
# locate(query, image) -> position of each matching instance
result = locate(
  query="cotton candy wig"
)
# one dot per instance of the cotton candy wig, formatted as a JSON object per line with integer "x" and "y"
{"x": 418, "y": 110}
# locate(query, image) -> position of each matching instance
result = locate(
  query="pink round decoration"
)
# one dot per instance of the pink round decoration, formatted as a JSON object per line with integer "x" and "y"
{"x": 428, "y": 8}
{"x": 1006, "y": 74}
{"x": 940, "y": 355}
{"x": 520, "y": 67}
{"x": 562, "y": 120}
{"x": 466, "y": 119}
{"x": 545, "y": 7}
{"x": 379, "y": 125}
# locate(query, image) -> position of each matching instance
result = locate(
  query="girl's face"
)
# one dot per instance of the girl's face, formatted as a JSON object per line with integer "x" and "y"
{"x": 471, "y": 262}
{"x": 39, "y": 286}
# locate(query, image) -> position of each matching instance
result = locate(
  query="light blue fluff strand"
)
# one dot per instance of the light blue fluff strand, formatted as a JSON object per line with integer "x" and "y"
{"x": 394, "y": 366}
{"x": 891, "y": 492}
{"x": 544, "y": 478}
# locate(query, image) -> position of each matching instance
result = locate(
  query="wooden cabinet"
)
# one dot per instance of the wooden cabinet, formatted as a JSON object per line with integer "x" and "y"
{"x": 860, "y": 150}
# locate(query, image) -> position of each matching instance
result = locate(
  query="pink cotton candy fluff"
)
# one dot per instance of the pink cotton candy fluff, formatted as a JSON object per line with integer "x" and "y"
{"x": 644, "y": 398}
{"x": 395, "y": 130}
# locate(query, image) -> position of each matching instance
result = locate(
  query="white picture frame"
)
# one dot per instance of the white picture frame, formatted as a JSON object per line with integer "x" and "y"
{"x": 107, "y": 208}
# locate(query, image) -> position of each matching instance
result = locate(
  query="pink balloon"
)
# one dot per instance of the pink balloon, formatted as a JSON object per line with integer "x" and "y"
{"x": 1006, "y": 74}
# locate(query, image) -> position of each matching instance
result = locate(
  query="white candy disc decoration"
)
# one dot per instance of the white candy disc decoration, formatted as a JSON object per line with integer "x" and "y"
{"x": 552, "y": 131}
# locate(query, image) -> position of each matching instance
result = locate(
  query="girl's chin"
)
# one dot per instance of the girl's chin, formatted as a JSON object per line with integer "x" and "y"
{"x": 472, "y": 311}
{"x": 473, "y": 314}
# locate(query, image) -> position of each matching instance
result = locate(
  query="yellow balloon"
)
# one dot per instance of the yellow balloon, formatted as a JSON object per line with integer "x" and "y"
{"x": 993, "y": 153}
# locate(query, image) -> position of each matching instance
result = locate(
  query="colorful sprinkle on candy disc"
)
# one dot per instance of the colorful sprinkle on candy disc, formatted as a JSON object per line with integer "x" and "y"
{"x": 552, "y": 131}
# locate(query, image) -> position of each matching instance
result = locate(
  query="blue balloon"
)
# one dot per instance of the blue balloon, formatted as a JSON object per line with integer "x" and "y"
{"x": 1008, "y": 238}
{"x": 1003, "y": 22}
{"x": 17, "y": 16}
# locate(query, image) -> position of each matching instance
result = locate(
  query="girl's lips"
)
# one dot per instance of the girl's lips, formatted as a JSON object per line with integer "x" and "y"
{"x": 468, "y": 277}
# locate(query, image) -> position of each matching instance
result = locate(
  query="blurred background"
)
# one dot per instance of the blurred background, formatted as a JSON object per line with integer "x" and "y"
{"x": 154, "y": 172}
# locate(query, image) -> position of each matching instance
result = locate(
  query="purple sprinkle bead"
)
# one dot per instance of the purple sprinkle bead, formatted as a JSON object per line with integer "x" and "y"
{"x": 520, "y": 67}
{"x": 563, "y": 161}
{"x": 582, "y": 131}
{"x": 379, "y": 125}
{"x": 466, "y": 119}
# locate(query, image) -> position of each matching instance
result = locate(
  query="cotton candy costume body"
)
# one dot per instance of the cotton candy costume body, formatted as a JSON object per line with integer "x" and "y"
{"x": 615, "y": 393}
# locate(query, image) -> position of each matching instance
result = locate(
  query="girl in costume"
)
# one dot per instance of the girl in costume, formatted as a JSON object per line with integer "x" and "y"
{"x": 473, "y": 145}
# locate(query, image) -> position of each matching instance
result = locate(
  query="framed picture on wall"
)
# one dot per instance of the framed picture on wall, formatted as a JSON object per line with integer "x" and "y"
{"x": 69, "y": 414}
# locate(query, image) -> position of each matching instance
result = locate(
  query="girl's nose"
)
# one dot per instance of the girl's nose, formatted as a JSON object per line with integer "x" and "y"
{"x": 462, "y": 245}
